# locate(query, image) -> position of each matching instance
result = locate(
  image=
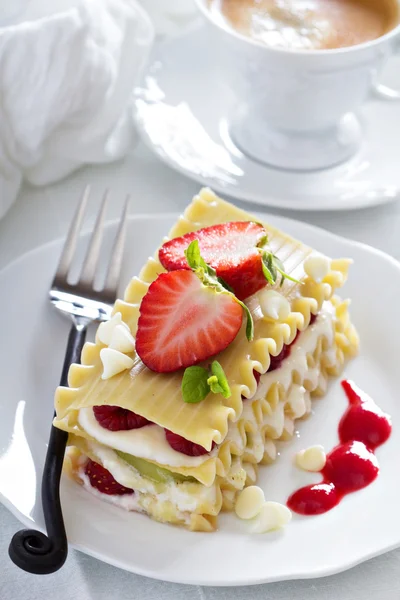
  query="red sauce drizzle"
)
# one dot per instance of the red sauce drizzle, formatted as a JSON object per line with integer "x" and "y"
{"x": 352, "y": 465}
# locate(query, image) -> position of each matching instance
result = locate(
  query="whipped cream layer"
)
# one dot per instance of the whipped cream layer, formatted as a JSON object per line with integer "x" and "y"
{"x": 179, "y": 495}
{"x": 125, "y": 501}
{"x": 147, "y": 442}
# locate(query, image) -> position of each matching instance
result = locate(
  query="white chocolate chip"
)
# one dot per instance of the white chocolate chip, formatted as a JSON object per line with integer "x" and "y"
{"x": 114, "y": 362}
{"x": 106, "y": 329}
{"x": 122, "y": 339}
{"x": 311, "y": 459}
{"x": 272, "y": 516}
{"x": 249, "y": 502}
{"x": 317, "y": 267}
{"x": 296, "y": 400}
{"x": 274, "y": 305}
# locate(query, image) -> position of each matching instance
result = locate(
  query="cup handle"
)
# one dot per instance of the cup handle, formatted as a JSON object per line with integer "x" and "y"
{"x": 384, "y": 92}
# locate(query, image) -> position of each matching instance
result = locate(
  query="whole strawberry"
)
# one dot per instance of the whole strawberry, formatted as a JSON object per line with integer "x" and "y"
{"x": 229, "y": 248}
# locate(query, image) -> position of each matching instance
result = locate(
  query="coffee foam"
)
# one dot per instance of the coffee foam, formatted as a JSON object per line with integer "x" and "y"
{"x": 308, "y": 24}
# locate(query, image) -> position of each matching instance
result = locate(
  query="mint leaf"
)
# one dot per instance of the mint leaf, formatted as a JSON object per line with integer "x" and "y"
{"x": 225, "y": 285}
{"x": 219, "y": 380}
{"x": 193, "y": 256}
{"x": 264, "y": 240}
{"x": 249, "y": 320}
{"x": 265, "y": 264}
{"x": 279, "y": 264}
{"x": 197, "y": 383}
{"x": 196, "y": 261}
{"x": 214, "y": 385}
{"x": 281, "y": 269}
{"x": 208, "y": 277}
{"x": 271, "y": 266}
{"x": 194, "y": 384}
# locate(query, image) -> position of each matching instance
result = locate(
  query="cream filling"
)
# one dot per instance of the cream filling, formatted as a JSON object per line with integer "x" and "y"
{"x": 180, "y": 495}
{"x": 131, "y": 502}
{"x": 297, "y": 359}
{"x": 150, "y": 443}
{"x": 126, "y": 501}
{"x": 147, "y": 442}
{"x": 297, "y": 398}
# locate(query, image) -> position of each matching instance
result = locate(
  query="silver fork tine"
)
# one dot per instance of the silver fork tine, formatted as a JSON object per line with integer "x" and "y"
{"x": 92, "y": 255}
{"x": 70, "y": 243}
{"x": 114, "y": 267}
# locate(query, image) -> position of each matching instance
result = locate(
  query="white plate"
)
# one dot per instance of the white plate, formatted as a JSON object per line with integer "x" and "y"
{"x": 183, "y": 110}
{"x": 365, "y": 524}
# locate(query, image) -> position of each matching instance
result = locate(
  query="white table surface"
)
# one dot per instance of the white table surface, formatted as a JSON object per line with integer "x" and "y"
{"x": 41, "y": 215}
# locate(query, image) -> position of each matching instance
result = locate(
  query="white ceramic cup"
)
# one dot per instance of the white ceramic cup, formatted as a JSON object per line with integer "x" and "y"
{"x": 298, "y": 109}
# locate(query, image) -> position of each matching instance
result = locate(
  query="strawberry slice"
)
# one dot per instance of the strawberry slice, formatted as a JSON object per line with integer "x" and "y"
{"x": 230, "y": 248}
{"x": 180, "y": 444}
{"x": 103, "y": 481}
{"x": 183, "y": 322}
{"x": 115, "y": 418}
{"x": 276, "y": 361}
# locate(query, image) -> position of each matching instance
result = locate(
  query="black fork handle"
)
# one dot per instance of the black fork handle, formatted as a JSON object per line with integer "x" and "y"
{"x": 32, "y": 550}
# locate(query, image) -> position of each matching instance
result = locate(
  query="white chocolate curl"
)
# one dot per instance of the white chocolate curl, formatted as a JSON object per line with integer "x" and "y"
{"x": 317, "y": 267}
{"x": 122, "y": 339}
{"x": 272, "y": 516}
{"x": 311, "y": 459}
{"x": 273, "y": 305}
{"x": 114, "y": 362}
{"x": 106, "y": 329}
{"x": 249, "y": 502}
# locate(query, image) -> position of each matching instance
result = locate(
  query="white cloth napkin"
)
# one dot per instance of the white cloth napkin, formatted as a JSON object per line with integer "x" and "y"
{"x": 171, "y": 16}
{"x": 67, "y": 71}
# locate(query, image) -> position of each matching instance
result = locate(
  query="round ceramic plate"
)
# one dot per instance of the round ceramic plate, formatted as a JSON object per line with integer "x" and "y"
{"x": 183, "y": 109}
{"x": 367, "y": 523}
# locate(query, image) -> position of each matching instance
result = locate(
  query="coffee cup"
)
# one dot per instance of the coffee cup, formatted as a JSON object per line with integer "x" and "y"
{"x": 297, "y": 108}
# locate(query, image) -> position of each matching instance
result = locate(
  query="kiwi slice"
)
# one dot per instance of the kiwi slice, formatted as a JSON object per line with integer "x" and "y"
{"x": 151, "y": 471}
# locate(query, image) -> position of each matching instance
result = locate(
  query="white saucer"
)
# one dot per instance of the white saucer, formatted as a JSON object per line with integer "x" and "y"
{"x": 365, "y": 524}
{"x": 183, "y": 109}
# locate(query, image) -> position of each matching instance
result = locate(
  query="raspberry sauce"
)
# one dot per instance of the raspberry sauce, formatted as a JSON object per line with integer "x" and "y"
{"x": 352, "y": 465}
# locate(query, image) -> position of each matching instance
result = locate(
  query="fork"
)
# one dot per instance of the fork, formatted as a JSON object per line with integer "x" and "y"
{"x": 32, "y": 550}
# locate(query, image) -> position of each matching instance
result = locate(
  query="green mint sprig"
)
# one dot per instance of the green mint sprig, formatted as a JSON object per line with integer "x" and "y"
{"x": 272, "y": 265}
{"x": 208, "y": 277}
{"x": 198, "y": 382}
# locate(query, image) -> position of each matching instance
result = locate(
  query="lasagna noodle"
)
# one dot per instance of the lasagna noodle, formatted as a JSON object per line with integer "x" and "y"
{"x": 157, "y": 397}
{"x": 250, "y": 441}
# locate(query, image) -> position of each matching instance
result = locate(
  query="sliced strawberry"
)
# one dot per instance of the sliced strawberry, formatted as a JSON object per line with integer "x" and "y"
{"x": 182, "y": 322}
{"x": 115, "y": 418}
{"x": 103, "y": 481}
{"x": 230, "y": 248}
{"x": 313, "y": 319}
{"x": 276, "y": 361}
{"x": 257, "y": 376}
{"x": 180, "y": 444}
